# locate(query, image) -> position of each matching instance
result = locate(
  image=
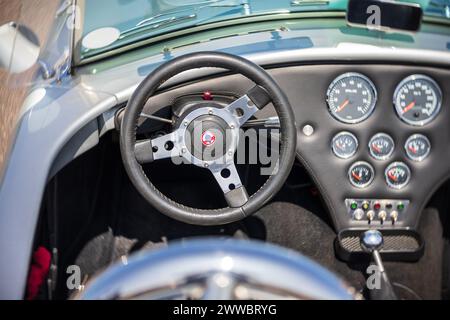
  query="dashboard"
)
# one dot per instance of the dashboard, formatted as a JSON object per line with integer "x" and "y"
{"x": 374, "y": 137}
{"x": 352, "y": 98}
{"x": 377, "y": 144}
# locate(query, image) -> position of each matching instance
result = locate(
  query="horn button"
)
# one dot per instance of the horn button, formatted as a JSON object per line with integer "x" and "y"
{"x": 206, "y": 138}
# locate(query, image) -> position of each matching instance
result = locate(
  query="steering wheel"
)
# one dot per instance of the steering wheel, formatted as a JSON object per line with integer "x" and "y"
{"x": 204, "y": 126}
{"x": 217, "y": 269}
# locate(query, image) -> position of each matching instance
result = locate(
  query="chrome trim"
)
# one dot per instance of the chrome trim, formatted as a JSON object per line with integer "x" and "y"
{"x": 398, "y": 108}
{"x": 376, "y": 136}
{"x": 371, "y": 107}
{"x": 415, "y": 136}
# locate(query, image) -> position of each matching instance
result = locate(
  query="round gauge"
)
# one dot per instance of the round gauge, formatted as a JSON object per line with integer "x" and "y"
{"x": 361, "y": 174}
{"x": 397, "y": 175}
{"x": 417, "y": 147}
{"x": 344, "y": 145}
{"x": 417, "y": 100}
{"x": 351, "y": 98}
{"x": 381, "y": 146}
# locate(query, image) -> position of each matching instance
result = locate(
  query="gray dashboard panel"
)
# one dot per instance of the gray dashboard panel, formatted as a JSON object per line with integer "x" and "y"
{"x": 305, "y": 87}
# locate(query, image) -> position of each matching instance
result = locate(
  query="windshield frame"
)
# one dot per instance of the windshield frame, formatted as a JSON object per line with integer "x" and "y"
{"x": 79, "y": 59}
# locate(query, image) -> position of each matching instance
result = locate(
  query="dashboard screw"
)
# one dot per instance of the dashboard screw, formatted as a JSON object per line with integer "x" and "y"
{"x": 308, "y": 130}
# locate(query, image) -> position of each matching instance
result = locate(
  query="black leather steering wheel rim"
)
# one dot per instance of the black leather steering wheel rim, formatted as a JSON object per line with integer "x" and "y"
{"x": 148, "y": 87}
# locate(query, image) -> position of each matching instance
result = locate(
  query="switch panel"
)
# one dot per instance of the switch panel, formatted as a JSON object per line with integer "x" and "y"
{"x": 377, "y": 211}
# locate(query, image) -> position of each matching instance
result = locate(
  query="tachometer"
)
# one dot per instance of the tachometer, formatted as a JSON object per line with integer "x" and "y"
{"x": 417, "y": 99}
{"x": 351, "y": 98}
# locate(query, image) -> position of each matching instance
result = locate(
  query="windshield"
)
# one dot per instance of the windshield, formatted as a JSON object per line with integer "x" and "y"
{"x": 110, "y": 24}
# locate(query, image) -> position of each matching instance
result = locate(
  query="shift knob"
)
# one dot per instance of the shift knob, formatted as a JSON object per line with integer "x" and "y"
{"x": 371, "y": 240}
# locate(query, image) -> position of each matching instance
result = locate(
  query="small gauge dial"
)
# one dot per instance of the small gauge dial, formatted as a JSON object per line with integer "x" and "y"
{"x": 381, "y": 146}
{"x": 417, "y": 147}
{"x": 397, "y": 175}
{"x": 351, "y": 98}
{"x": 361, "y": 174}
{"x": 344, "y": 145}
{"x": 417, "y": 100}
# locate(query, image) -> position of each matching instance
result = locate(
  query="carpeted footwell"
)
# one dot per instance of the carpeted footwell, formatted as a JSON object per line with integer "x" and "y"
{"x": 282, "y": 223}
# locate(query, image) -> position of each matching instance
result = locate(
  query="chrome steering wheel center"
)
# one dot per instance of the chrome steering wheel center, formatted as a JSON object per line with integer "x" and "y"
{"x": 208, "y": 138}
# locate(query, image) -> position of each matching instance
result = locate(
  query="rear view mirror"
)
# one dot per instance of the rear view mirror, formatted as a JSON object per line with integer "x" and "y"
{"x": 19, "y": 48}
{"x": 384, "y": 15}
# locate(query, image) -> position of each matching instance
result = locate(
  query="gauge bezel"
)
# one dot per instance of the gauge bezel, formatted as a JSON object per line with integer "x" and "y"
{"x": 384, "y": 135}
{"x": 415, "y": 136}
{"x": 404, "y": 184}
{"x": 349, "y": 174}
{"x": 372, "y": 106}
{"x": 413, "y": 77}
{"x": 340, "y": 134}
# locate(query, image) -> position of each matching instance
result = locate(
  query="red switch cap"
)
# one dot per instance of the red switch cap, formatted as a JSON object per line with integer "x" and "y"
{"x": 207, "y": 95}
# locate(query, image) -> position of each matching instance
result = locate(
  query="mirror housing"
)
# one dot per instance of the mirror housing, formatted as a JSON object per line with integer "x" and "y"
{"x": 19, "y": 48}
{"x": 384, "y": 15}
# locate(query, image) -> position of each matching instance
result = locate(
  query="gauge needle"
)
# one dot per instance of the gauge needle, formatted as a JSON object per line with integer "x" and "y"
{"x": 412, "y": 149}
{"x": 343, "y": 105}
{"x": 356, "y": 176}
{"x": 377, "y": 148}
{"x": 409, "y": 107}
{"x": 392, "y": 177}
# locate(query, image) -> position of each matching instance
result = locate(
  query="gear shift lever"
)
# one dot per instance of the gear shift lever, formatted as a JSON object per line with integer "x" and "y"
{"x": 372, "y": 241}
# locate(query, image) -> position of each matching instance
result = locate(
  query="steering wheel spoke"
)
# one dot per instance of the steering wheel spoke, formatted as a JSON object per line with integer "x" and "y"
{"x": 242, "y": 109}
{"x": 229, "y": 181}
{"x": 246, "y": 106}
{"x": 166, "y": 146}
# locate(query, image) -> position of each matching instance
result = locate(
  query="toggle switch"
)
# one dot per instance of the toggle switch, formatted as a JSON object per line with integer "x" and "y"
{"x": 382, "y": 215}
{"x": 394, "y": 216}
{"x": 370, "y": 215}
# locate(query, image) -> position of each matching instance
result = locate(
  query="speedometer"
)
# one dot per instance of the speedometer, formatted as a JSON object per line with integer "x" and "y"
{"x": 417, "y": 100}
{"x": 351, "y": 97}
